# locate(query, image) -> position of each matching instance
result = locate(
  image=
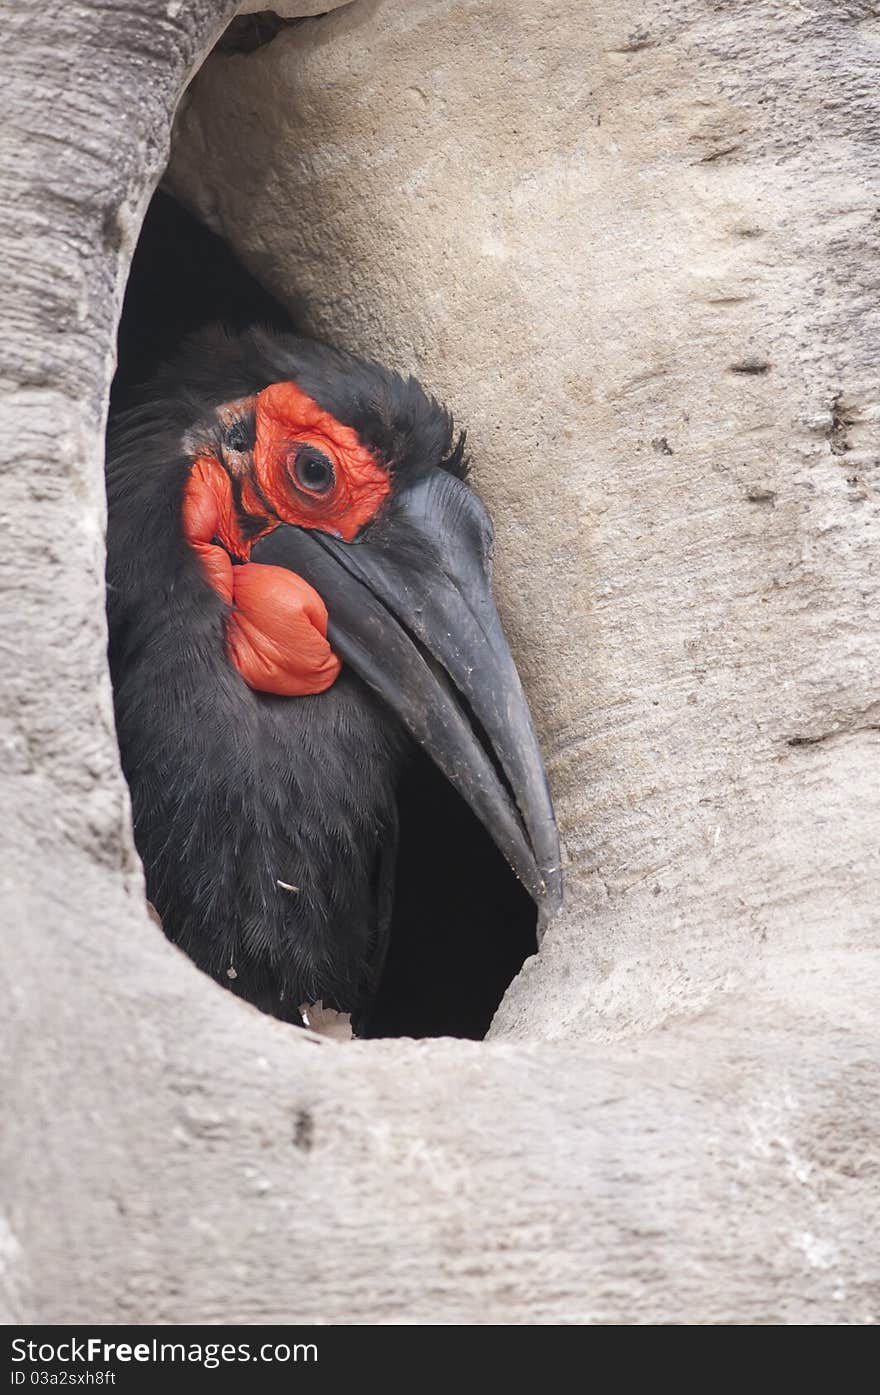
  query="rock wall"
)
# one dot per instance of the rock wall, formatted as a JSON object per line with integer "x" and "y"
{"x": 639, "y": 259}
{"x": 641, "y": 264}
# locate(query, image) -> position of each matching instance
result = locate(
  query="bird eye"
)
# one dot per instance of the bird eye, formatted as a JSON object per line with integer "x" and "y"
{"x": 313, "y": 471}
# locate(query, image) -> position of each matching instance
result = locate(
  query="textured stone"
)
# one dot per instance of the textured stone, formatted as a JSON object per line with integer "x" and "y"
{"x": 639, "y": 259}
{"x": 291, "y": 9}
{"x": 655, "y": 306}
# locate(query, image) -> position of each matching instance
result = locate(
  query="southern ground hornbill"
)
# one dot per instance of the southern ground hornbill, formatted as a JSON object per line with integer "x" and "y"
{"x": 300, "y": 607}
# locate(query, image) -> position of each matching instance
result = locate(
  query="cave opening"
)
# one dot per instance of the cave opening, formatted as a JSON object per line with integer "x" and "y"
{"x": 462, "y": 924}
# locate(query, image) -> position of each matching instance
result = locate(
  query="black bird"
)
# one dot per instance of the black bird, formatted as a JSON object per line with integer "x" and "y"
{"x": 259, "y": 485}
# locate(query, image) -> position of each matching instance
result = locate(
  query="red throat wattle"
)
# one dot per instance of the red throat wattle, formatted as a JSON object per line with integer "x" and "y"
{"x": 277, "y": 628}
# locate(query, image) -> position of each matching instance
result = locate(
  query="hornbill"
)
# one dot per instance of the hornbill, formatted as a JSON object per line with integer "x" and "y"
{"x": 299, "y": 594}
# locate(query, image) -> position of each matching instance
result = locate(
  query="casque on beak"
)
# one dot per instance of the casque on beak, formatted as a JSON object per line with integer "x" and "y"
{"x": 411, "y": 611}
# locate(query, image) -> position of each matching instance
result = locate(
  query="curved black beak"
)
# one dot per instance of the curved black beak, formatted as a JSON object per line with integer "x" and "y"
{"x": 411, "y": 610}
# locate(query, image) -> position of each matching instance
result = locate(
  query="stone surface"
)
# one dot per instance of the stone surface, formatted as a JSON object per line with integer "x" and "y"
{"x": 291, "y": 9}
{"x": 639, "y": 259}
{"x": 641, "y": 264}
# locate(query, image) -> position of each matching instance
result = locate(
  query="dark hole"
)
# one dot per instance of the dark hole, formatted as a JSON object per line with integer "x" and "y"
{"x": 247, "y": 33}
{"x": 182, "y": 277}
{"x": 462, "y": 924}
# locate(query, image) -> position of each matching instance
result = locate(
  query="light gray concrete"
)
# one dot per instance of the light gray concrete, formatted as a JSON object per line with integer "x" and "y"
{"x": 640, "y": 262}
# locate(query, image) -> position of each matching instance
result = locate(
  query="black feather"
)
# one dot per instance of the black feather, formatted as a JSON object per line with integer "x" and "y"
{"x": 234, "y": 791}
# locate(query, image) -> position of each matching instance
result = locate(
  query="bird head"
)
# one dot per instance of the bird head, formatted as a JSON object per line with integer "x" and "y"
{"x": 351, "y": 478}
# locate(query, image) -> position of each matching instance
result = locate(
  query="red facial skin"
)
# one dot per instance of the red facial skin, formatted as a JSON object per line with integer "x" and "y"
{"x": 277, "y": 629}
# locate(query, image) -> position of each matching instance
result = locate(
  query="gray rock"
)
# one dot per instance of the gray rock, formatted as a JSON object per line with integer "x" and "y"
{"x": 639, "y": 261}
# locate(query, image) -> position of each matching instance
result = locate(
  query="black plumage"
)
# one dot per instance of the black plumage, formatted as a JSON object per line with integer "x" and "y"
{"x": 270, "y": 827}
{"x": 236, "y": 792}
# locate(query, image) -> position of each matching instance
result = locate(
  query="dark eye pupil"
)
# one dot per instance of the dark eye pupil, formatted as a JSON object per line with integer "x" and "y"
{"x": 313, "y": 470}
